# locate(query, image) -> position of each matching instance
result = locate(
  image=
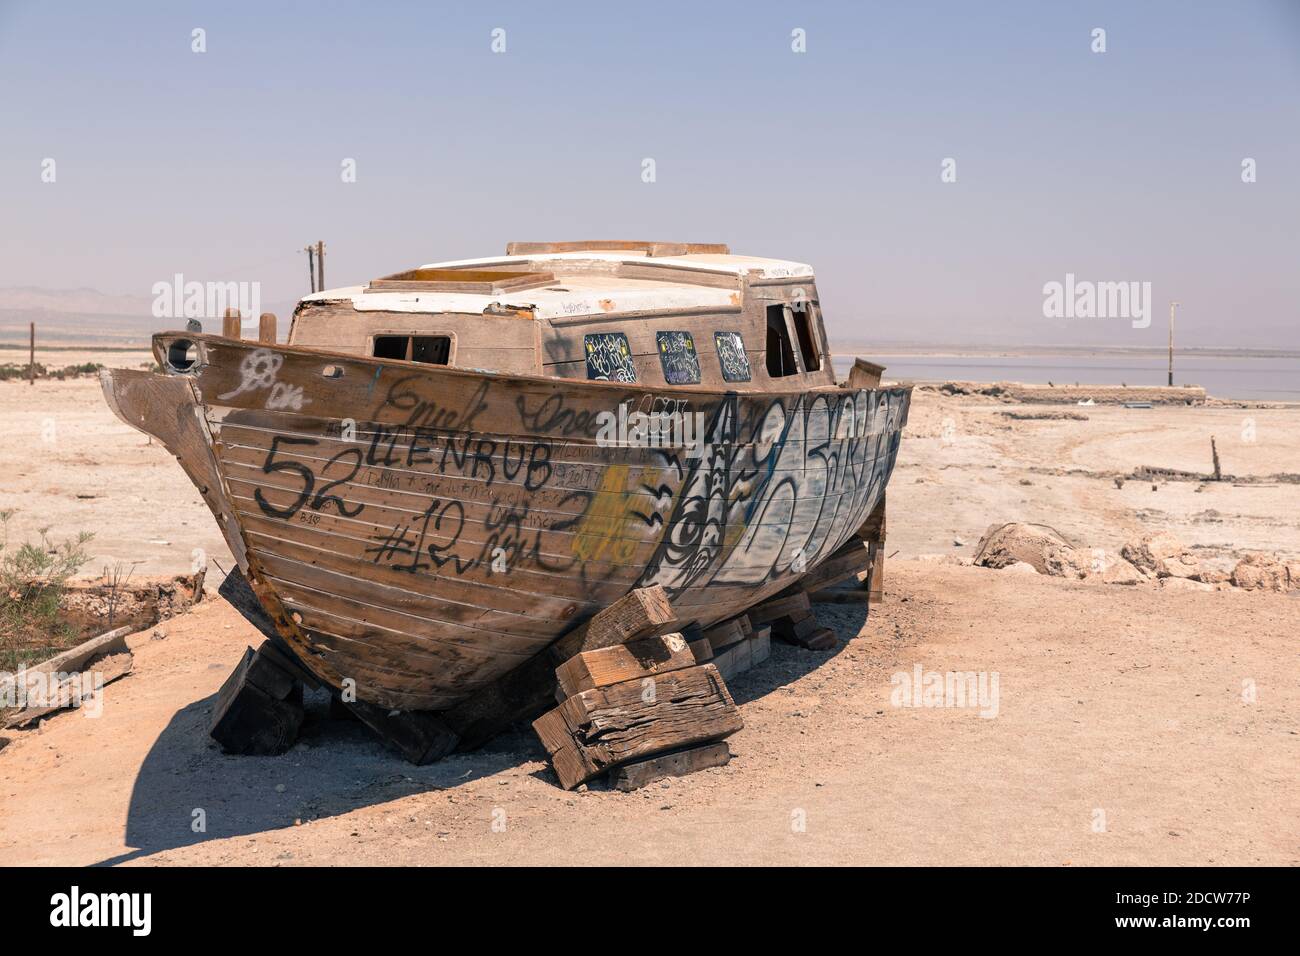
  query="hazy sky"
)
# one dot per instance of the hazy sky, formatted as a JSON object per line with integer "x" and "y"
{"x": 1122, "y": 165}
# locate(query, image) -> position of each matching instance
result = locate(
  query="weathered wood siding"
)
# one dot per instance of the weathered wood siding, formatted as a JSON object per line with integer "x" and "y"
{"x": 421, "y": 530}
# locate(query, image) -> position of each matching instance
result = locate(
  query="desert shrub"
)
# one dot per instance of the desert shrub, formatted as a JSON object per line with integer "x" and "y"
{"x": 10, "y": 370}
{"x": 32, "y": 580}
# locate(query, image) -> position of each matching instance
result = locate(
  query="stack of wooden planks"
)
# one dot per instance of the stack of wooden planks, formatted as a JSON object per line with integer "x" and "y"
{"x": 791, "y": 619}
{"x": 644, "y": 710}
{"x": 736, "y": 645}
{"x": 525, "y": 692}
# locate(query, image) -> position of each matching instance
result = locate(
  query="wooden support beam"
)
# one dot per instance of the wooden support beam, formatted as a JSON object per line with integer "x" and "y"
{"x": 841, "y": 596}
{"x": 529, "y": 689}
{"x": 852, "y": 559}
{"x": 735, "y": 660}
{"x": 641, "y": 613}
{"x": 604, "y": 727}
{"x": 701, "y": 650}
{"x": 522, "y": 694}
{"x": 792, "y": 604}
{"x": 876, "y": 580}
{"x": 421, "y": 737}
{"x": 259, "y": 707}
{"x": 622, "y": 662}
{"x": 724, "y": 635}
{"x": 266, "y": 328}
{"x": 798, "y": 632}
{"x": 640, "y": 773}
{"x": 746, "y": 655}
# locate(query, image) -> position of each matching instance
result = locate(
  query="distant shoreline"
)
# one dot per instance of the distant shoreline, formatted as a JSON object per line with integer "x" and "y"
{"x": 1036, "y": 351}
{"x": 846, "y": 353}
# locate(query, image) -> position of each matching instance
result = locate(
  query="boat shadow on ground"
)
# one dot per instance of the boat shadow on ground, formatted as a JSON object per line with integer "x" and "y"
{"x": 188, "y": 792}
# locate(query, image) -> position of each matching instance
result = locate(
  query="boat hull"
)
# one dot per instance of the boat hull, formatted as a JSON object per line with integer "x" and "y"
{"x": 422, "y": 530}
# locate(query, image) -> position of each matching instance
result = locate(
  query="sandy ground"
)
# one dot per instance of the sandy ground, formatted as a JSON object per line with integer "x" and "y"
{"x": 1132, "y": 725}
{"x": 1129, "y": 706}
{"x": 69, "y": 464}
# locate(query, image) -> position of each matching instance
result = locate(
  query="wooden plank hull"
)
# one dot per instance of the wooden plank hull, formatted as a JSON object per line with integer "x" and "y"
{"x": 421, "y": 530}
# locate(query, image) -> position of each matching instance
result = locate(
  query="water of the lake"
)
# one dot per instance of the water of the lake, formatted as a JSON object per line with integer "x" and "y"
{"x": 1247, "y": 378}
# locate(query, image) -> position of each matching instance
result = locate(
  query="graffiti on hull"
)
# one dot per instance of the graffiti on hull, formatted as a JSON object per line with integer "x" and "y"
{"x": 775, "y": 494}
{"x": 777, "y": 485}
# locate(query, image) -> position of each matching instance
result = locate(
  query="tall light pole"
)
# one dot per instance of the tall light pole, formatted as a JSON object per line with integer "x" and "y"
{"x": 1172, "y": 306}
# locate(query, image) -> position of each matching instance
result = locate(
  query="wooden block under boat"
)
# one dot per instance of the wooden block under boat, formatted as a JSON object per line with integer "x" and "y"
{"x": 622, "y": 662}
{"x": 420, "y": 737}
{"x": 725, "y": 634}
{"x": 526, "y": 691}
{"x": 735, "y": 660}
{"x": 645, "y": 612}
{"x": 851, "y": 559}
{"x": 640, "y": 773}
{"x": 789, "y": 606}
{"x": 259, "y": 707}
{"x": 701, "y": 650}
{"x": 598, "y": 729}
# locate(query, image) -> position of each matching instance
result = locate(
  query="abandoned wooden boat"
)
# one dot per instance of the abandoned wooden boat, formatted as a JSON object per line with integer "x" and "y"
{"x": 443, "y": 471}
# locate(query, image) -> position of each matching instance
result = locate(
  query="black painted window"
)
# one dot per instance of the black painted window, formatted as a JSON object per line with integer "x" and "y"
{"x": 609, "y": 357}
{"x": 678, "y": 356}
{"x": 732, "y": 357}
{"x": 780, "y": 356}
{"x": 430, "y": 349}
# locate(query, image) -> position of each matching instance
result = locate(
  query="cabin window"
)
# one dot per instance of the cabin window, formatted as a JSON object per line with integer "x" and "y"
{"x": 805, "y": 330}
{"x": 731, "y": 356}
{"x": 678, "y": 356}
{"x": 430, "y": 349}
{"x": 609, "y": 357}
{"x": 780, "y": 356}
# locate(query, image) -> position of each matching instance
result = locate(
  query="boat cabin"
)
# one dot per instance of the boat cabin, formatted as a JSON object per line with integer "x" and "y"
{"x": 652, "y": 313}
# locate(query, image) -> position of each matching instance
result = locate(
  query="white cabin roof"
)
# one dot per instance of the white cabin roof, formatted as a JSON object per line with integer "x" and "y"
{"x": 735, "y": 265}
{"x": 573, "y": 295}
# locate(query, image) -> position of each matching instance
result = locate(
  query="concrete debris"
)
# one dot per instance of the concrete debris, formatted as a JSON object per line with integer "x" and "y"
{"x": 1161, "y": 555}
{"x": 1263, "y": 572}
{"x": 1162, "y": 559}
{"x": 1032, "y": 544}
{"x": 1184, "y": 584}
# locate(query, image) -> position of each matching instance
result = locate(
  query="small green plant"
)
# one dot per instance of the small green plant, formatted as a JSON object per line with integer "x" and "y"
{"x": 32, "y": 581}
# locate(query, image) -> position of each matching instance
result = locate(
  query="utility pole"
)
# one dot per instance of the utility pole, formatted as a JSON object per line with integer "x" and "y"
{"x": 31, "y": 358}
{"x": 320, "y": 266}
{"x": 311, "y": 267}
{"x": 1172, "y": 306}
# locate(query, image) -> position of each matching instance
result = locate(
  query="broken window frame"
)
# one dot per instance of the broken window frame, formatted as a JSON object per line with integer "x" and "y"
{"x": 780, "y": 328}
{"x": 806, "y": 325}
